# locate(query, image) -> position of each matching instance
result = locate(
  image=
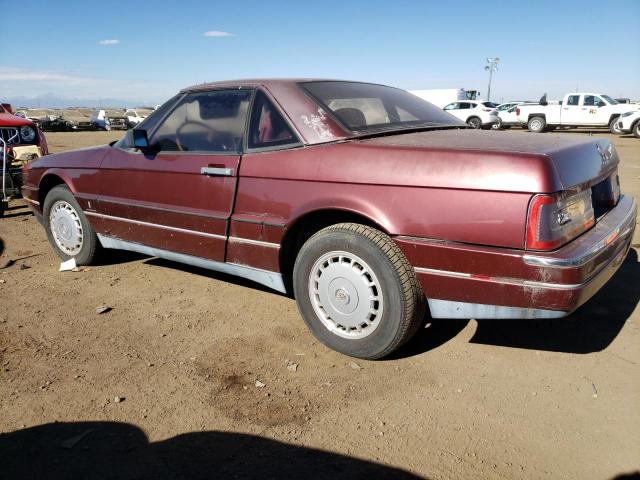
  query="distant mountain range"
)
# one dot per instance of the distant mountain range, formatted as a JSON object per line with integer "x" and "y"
{"x": 49, "y": 100}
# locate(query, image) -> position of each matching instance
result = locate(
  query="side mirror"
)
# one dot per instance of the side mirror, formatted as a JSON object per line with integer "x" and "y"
{"x": 140, "y": 139}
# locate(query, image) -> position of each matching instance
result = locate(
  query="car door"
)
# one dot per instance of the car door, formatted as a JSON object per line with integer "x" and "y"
{"x": 180, "y": 197}
{"x": 454, "y": 109}
{"x": 572, "y": 113}
{"x": 598, "y": 115}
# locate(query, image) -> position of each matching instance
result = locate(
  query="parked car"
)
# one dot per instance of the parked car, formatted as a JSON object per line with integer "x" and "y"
{"x": 56, "y": 123}
{"x": 362, "y": 201}
{"x": 575, "y": 110}
{"x": 100, "y": 120}
{"x": 20, "y": 141}
{"x": 507, "y": 115}
{"x": 630, "y": 123}
{"x": 474, "y": 114}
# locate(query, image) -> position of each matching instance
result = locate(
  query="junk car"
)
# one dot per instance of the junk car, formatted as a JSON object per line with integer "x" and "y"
{"x": 365, "y": 203}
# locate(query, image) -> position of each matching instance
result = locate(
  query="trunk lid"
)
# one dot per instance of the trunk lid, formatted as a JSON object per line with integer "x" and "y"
{"x": 577, "y": 161}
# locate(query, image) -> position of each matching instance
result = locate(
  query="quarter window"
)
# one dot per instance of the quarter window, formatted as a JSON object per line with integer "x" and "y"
{"x": 205, "y": 122}
{"x": 268, "y": 128}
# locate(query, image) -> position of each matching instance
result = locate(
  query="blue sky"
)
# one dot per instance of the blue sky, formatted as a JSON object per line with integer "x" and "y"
{"x": 147, "y": 50}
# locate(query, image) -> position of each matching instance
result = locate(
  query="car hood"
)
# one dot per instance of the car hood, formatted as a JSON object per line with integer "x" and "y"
{"x": 86, "y": 158}
{"x": 511, "y": 161}
{"x": 8, "y": 120}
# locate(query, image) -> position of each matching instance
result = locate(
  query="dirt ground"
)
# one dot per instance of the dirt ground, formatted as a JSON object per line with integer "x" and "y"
{"x": 164, "y": 384}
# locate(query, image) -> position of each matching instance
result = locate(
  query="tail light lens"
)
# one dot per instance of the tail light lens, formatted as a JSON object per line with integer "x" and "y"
{"x": 554, "y": 220}
{"x": 517, "y": 111}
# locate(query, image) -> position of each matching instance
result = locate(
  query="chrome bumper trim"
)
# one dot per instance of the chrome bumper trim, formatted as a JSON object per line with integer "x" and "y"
{"x": 501, "y": 280}
{"x": 451, "y": 309}
{"x": 618, "y": 233}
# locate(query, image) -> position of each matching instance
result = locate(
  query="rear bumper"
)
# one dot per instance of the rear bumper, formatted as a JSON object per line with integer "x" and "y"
{"x": 466, "y": 281}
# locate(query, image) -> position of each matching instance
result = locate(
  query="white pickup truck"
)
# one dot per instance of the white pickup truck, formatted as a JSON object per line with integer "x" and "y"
{"x": 575, "y": 110}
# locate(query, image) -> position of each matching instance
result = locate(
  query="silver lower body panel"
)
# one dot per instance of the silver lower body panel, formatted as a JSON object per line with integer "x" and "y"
{"x": 451, "y": 309}
{"x": 272, "y": 280}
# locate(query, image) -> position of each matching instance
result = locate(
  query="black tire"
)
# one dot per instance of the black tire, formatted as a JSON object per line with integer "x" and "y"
{"x": 497, "y": 125}
{"x": 474, "y": 122}
{"x": 612, "y": 126}
{"x": 399, "y": 291}
{"x": 90, "y": 245}
{"x": 636, "y": 129}
{"x": 537, "y": 124}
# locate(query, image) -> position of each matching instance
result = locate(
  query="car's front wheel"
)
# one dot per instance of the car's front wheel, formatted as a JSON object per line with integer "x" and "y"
{"x": 613, "y": 127}
{"x": 474, "y": 122}
{"x": 68, "y": 229}
{"x": 356, "y": 291}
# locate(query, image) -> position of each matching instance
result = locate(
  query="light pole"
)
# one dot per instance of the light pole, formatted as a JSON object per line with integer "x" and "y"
{"x": 492, "y": 66}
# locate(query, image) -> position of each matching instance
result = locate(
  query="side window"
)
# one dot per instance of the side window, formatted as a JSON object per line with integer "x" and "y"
{"x": 451, "y": 106}
{"x": 205, "y": 122}
{"x": 589, "y": 101}
{"x": 599, "y": 102}
{"x": 573, "y": 100}
{"x": 464, "y": 106}
{"x": 267, "y": 127}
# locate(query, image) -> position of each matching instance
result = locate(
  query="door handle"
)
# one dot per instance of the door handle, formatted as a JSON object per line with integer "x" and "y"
{"x": 216, "y": 171}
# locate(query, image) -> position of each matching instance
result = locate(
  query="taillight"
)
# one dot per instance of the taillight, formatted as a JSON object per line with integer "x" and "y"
{"x": 554, "y": 220}
{"x": 517, "y": 111}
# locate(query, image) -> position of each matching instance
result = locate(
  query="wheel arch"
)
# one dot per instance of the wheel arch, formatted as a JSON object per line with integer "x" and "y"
{"x": 48, "y": 181}
{"x": 532, "y": 115}
{"x": 306, "y": 225}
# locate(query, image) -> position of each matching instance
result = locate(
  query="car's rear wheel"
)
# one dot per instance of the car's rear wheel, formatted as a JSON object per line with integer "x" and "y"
{"x": 474, "y": 122}
{"x": 613, "y": 128}
{"x": 68, "y": 229}
{"x": 356, "y": 291}
{"x": 536, "y": 124}
{"x": 636, "y": 129}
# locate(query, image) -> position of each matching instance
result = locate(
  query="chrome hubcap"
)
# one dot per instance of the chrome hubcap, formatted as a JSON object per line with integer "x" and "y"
{"x": 346, "y": 295}
{"x": 66, "y": 227}
{"x": 536, "y": 125}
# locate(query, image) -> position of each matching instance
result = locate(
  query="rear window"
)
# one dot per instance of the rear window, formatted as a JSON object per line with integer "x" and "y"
{"x": 365, "y": 107}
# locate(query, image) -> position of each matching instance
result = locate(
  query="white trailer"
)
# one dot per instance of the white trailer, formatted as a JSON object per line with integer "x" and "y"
{"x": 442, "y": 97}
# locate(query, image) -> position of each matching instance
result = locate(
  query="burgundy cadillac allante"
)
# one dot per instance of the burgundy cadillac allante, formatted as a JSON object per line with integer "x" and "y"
{"x": 366, "y": 203}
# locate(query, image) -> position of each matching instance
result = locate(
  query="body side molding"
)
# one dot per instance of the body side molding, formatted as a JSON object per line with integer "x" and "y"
{"x": 269, "y": 279}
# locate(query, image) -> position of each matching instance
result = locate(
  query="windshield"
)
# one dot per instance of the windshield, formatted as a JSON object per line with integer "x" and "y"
{"x": 368, "y": 108}
{"x": 609, "y": 99}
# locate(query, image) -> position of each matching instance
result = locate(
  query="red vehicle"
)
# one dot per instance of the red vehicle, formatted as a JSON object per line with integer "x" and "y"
{"x": 20, "y": 141}
{"x": 365, "y": 202}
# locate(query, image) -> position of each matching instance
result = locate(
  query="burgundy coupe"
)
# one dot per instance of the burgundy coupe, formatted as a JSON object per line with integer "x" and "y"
{"x": 366, "y": 203}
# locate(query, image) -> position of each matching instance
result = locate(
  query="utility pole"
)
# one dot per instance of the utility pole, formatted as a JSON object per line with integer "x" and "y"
{"x": 492, "y": 66}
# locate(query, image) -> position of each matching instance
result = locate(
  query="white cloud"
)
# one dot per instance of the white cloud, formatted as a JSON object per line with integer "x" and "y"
{"x": 9, "y": 74}
{"x": 218, "y": 33}
{"x": 112, "y": 41}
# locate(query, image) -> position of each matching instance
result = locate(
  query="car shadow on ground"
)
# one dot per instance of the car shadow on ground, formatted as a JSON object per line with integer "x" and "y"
{"x": 223, "y": 277}
{"x": 591, "y": 328}
{"x": 112, "y": 450}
